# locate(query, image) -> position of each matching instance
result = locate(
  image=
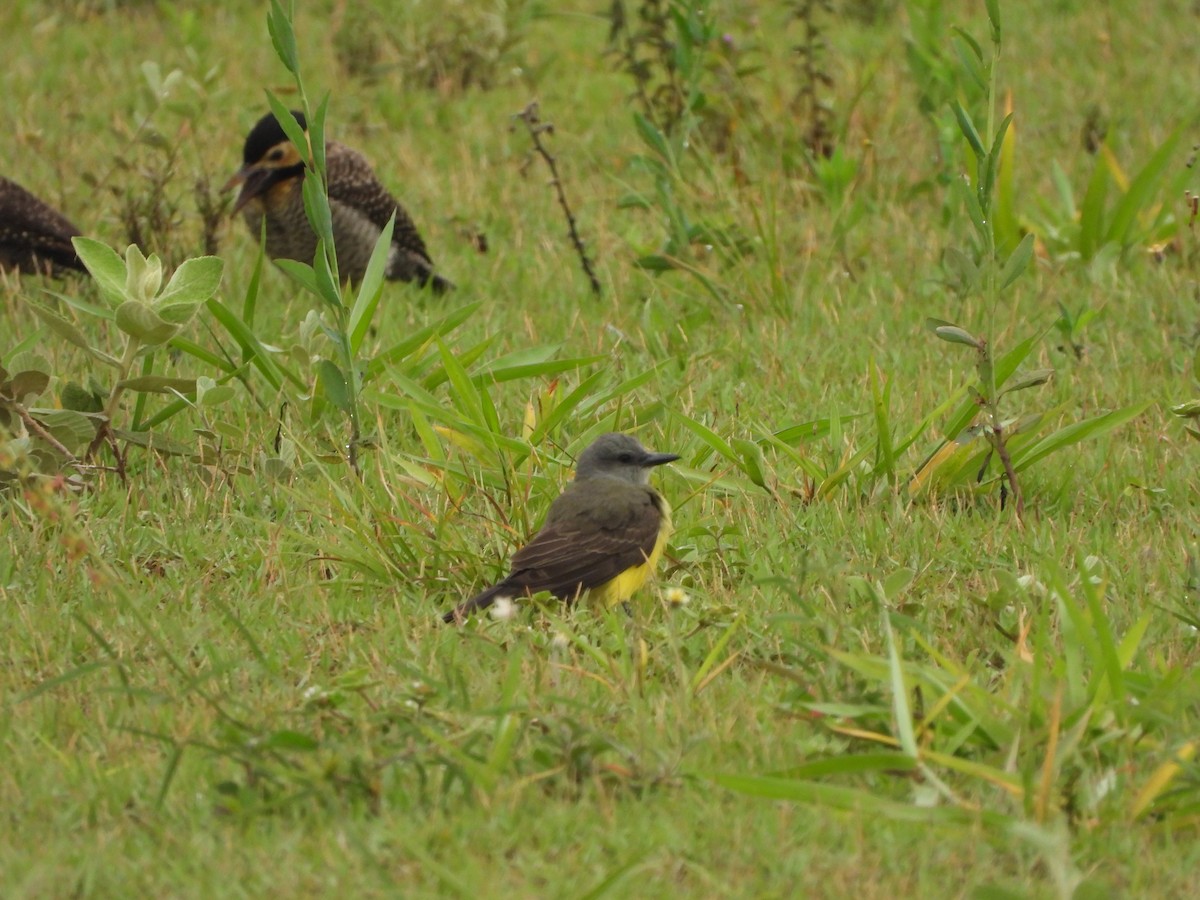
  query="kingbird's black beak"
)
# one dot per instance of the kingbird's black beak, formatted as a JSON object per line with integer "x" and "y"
{"x": 658, "y": 459}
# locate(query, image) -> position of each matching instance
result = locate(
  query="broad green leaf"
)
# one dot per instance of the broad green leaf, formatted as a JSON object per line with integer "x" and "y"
{"x": 326, "y": 277}
{"x": 467, "y": 398}
{"x": 320, "y": 216}
{"x": 210, "y": 393}
{"x": 333, "y": 381}
{"x": 75, "y": 396}
{"x": 656, "y": 263}
{"x": 26, "y": 385}
{"x": 316, "y": 135}
{"x": 301, "y": 273}
{"x": 195, "y": 281}
{"x": 140, "y": 321}
{"x": 143, "y": 276}
{"x": 61, "y": 326}
{"x": 106, "y": 267}
{"x": 960, "y": 267}
{"x": 71, "y": 428}
{"x": 565, "y": 407}
{"x": 178, "y": 314}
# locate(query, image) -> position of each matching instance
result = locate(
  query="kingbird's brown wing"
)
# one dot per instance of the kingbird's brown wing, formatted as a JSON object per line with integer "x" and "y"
{"x": 593, "y": 533}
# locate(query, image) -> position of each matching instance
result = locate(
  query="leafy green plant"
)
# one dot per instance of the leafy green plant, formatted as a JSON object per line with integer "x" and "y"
{"x": 943, "y": 75}
{"x": 145, "y": 174}
{"x": 1117, "y": 213}
{"x": 810, "y": 106}
{"x": 664, "y": 56}
{"x": 1021, "y": 747}
{"x": 340, "y": 377}
{"x": 147, "y": 315}
{"x": 989, "y": 272}
{"x": 449, "y": 45}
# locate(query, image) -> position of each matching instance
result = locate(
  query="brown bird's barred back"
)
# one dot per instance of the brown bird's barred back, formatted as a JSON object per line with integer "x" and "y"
{"x": 271, "y": 177}
{"x": 34, "y": 236}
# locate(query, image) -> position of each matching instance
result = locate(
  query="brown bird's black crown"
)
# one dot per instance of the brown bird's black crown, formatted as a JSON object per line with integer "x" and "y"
{"x": 266, "y": 134}
{"x": 360, "y": 206}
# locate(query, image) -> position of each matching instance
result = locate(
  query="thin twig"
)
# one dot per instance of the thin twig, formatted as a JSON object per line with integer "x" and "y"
{"x": 1009, "y": 471}
{"x": 536, "y": 128}
{"x": 37, "y": 428}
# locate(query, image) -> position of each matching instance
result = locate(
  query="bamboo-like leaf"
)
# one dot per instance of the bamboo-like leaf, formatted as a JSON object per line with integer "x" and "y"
{"x": 1031, "y": 379}
{"x": 1143, "y": 189}
{"x": 1091, "y": 211}
{"x": 993, "y": 11}
{"x": 832, "y": 796}
{"x": 419, "y": 338}
{"x": 158, "y": 384}
{"x": 283, "y": 37}
{"x": 371, "y": 289}
{"x": 1076, "y": 432}
{"x": 708, "y": 437}
{"x": 1017, "y": 261}
{"x": 967, "y": 127}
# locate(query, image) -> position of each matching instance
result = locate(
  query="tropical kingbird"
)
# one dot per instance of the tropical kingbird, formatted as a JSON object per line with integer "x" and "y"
{"x": 603, "y": 535}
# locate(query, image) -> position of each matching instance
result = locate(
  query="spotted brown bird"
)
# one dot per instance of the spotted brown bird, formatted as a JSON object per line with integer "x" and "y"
{"x": 271, "y": 176}
{"x": 602, "y": 537}
{"x": 34, "y": 236}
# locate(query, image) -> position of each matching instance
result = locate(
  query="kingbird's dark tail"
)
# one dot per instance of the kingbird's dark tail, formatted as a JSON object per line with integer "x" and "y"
{"x": 460, "y": 613}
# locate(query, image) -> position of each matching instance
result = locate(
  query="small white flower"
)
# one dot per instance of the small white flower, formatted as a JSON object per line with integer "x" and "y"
{"x": 503, "y": 609}
{"x": 678, "y": 597}
{"x": 559, "y": 642}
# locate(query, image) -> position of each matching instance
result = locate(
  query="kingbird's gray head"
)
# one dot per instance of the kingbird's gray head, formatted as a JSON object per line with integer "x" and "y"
{"x": 619, "y": 456}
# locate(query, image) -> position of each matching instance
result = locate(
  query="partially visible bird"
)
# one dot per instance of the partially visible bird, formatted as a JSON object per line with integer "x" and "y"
{"x": 271, "y": 176}
{"x": 34, "y": 236}
{"x": 603, "y": 535}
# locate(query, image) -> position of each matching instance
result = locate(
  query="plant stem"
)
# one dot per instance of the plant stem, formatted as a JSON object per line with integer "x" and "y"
{"x": 536, "y": 128}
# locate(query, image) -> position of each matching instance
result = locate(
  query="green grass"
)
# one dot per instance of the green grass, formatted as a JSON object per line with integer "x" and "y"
{"x": 219, "y": 679}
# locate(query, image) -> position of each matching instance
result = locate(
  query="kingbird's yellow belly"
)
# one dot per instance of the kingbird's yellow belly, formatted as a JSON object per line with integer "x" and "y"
{"x": 619, "y": 589}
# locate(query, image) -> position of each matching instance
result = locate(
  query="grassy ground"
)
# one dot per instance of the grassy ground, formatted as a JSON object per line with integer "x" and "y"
{"x": 224, "y": 674}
